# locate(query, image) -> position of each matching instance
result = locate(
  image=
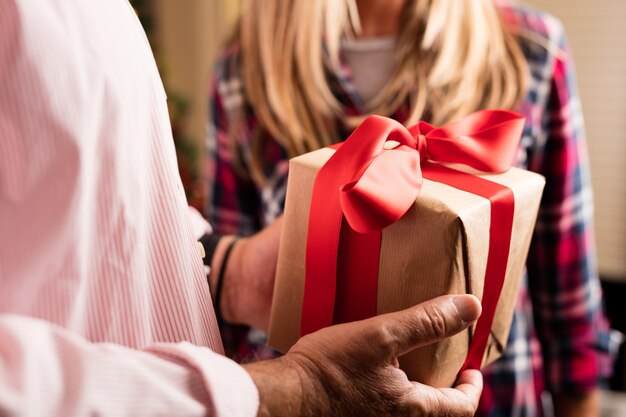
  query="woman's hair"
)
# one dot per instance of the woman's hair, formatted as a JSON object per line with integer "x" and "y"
{"x": 452, "y": 57}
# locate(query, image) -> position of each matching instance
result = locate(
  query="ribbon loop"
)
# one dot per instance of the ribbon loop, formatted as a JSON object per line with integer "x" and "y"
{"x": 384, "y": 191}
{"x": 486, "y": 140}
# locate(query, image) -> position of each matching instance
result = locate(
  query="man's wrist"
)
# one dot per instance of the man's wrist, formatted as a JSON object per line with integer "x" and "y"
{"x": 287, "y": 389}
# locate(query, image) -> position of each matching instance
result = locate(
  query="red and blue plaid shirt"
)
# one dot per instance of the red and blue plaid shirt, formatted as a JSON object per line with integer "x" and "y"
{"x": 559, "y": 338}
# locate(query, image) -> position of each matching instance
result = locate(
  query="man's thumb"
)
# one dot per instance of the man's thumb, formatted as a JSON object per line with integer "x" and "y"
{"x": 428, "y": 322}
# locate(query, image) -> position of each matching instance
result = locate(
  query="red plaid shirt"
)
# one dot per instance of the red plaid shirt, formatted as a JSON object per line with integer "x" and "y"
{"x": 559, "y": 339}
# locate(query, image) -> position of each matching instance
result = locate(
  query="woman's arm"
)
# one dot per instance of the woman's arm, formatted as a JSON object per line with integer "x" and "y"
{"x": 563, "y": 279}
{"x": 248, "y": 276}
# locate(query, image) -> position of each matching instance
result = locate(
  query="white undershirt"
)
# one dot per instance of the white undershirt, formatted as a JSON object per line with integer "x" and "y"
{"x": 371, "y": 62}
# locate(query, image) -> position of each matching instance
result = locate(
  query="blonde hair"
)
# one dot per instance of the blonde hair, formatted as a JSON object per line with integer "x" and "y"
{"x": 452, "y": 57}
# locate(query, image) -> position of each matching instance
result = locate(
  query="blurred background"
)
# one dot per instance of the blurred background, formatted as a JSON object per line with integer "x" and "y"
{"x": 186, "y": 36}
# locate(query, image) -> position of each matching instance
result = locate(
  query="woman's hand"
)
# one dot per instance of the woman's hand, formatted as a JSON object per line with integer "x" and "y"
{"x": 249, "y": 276}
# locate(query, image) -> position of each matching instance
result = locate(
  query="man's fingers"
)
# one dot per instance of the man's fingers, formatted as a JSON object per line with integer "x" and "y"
{"x": 426, "y": 323}
{"x": 470, "y": 383}
{"x": 462, "y": 400}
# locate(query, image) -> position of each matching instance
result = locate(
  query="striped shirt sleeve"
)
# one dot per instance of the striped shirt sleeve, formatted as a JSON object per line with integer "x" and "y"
{"x": 49, "y": 371}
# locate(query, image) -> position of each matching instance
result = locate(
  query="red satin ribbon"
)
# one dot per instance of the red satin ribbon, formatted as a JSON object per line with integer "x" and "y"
{"x": 501, "y": 226}
{"x": 371, "y": 181}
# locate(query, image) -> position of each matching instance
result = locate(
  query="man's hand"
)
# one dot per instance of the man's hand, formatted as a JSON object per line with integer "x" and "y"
{"x": 249, "y": 277}
{"x": 352, "y": 369}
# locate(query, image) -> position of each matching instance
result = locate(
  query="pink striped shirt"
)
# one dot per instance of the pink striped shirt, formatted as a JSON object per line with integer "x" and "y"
{"x": 95, "y": 239}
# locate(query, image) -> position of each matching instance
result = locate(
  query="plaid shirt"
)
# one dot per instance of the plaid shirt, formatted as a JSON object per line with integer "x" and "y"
{"x": 559, "y": 339}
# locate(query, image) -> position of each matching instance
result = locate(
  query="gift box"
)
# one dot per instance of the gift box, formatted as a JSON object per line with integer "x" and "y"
{"x": 391, "y": 219}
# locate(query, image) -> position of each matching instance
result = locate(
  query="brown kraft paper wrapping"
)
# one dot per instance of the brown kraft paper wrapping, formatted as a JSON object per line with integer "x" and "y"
{"x": 439, "y": 247}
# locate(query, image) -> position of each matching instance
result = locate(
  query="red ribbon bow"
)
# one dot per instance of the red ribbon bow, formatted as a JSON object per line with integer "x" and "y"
{"x": 386, "y": 185}
{"x": 373, "y": 179}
